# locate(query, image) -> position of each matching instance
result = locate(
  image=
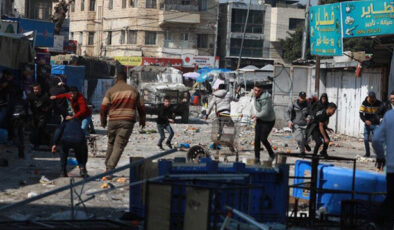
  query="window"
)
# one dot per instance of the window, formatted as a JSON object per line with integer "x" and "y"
{"x": 72, "y": 36}
{"x": 295, "y": 22}
{"x": 80, "y": 40}
{"x": 168, "y": 39}
{"x": 168, "y": 36}
{"x": 109, "y": 38}
{"x": 133, "y": 3}
{"x": 255, "y": 21}
{"x": 73, "y": 7}
{"x": 82, "y": 5}
{"x": 91, "y": 38}
{"x": 186, "y": 2}
{"x": 251, "y": 48}
{"x": 151, "y": 4}
{"x": 150, "y": 38}
{"x": 42, "y": 11}
{"x": 203, "y": 5}
{"x": 131, "y": 37}
{"x": 110, "y": 4}
{"x": 124, "y": 3}
{"x": 92, "y": 5}
{"x": 202, "y": 41}
{"x": 185, "y": 36}
{"x": 122, "y": 37}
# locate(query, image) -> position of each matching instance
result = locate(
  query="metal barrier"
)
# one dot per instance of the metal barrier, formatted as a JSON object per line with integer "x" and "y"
{"x": 82, "y": 182}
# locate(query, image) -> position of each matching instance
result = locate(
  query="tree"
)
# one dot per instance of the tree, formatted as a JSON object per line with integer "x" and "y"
{"x": 292, "y": 45}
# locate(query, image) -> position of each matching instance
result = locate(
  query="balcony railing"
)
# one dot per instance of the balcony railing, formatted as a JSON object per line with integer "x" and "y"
{"x": 180, "y": 7}
{"x": 179, "y": 44}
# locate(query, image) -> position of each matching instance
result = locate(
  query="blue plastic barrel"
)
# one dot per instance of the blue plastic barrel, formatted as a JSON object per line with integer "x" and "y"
{"x": 339, "y": 178}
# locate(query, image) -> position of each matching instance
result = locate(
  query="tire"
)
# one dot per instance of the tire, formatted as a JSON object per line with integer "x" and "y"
{"x": 195, "y": 153}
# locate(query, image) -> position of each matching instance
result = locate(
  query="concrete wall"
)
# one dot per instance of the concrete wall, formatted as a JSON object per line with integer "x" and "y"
{"x": 341, "y": 85}
{"x": 280, "y": 21}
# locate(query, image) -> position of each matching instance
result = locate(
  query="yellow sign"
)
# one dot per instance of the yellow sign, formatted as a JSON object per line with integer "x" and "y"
{"x": 130, "y": 61}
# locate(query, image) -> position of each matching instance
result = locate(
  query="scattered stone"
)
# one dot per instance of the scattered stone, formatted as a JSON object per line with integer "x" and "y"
{"x": 121, "y": 180}
{"x": 31, "y": 194}
{"x": 45, "y": 181}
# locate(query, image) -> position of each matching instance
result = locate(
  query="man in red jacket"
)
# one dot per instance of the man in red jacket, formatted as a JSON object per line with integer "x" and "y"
{"x": 79, "y": 106}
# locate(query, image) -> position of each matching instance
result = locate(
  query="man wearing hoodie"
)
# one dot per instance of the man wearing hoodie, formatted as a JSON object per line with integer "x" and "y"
{"x": 320, "y": 105}
{"x": 383, "y": 138}
{"x": 264, "y": 115}
{"x": 369, "y": 115}
{"x": 298, "y": 116}
{"x": 221, "y": 100}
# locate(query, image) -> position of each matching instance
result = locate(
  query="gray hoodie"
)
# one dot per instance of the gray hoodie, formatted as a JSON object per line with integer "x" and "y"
{"x": 298, "y": 114}
{"x": 222, "y": 100}
{"x": 264, "y": 109}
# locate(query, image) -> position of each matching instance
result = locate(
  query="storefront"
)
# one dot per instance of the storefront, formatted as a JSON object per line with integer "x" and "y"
{"x": 191, "y": 63}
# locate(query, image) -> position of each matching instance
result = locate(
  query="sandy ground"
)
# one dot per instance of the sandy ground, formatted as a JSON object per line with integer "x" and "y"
{"x": 22, "y": 177}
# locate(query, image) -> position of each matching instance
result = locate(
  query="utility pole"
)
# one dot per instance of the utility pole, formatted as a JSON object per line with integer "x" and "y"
{"x": 305, "y": 35}
{"x": 317, "y": 69}
{"x": 216, "y": 33}
{"x": 243, "y": 35}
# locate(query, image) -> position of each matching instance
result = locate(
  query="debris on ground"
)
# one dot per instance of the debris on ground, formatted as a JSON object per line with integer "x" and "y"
{"x": 365, "y": 159}
{"x": 121, "y": 180}
{"x": 31, "y": 194}
{"x": 107, "y": 185}
{"x": 45, "y": 181}
{"x": 72, "y": 161}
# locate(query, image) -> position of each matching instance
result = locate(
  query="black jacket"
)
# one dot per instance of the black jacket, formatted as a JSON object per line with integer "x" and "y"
{"x": 40, "y": 105}
{"x": 385, "y": 107}
{"x": 69, "y": 132}
{"x": 319, "y": 105}
{"x": 164, "y": 114}
{"x": 369, "y": 111}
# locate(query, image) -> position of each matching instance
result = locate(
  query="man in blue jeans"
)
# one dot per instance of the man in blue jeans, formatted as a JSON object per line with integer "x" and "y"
{"x": 165, "y": 117}
{"x": 370, "y": 116}
{"x": 384, "y": 138}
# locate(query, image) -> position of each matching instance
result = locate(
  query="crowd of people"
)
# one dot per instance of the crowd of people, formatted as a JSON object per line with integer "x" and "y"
{"x": 58, "y": 115}
{"x": 53, "y": 112}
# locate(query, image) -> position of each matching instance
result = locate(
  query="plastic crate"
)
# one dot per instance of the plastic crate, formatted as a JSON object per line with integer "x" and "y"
{"x": 266, "y": 198}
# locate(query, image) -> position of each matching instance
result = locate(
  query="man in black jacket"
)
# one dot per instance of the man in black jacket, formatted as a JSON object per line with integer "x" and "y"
{"x": 165, "y": 117}
{"x": 40, "y": 106}
{"x": 369, "y": 115}
{"x": 71, "y": 136}
{"x": 386, "y": 106}
{"x": 320, "y": 105}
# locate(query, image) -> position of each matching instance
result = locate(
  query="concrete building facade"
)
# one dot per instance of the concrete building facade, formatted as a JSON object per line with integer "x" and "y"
{"x": 266, "y": 26}
{"x": 148, "y": 28}
{"x": 34, "y": 9}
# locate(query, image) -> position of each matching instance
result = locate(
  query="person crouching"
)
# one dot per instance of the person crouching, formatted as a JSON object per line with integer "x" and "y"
{"x": 71, "y": 136}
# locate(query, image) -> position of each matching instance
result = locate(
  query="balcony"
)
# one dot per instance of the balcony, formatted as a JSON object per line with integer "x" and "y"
{"x": 180, "y": 47}
{"x": 179, "y": 17}
{"x": 178, "y": 7}
{"x": 179, "y": 44}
